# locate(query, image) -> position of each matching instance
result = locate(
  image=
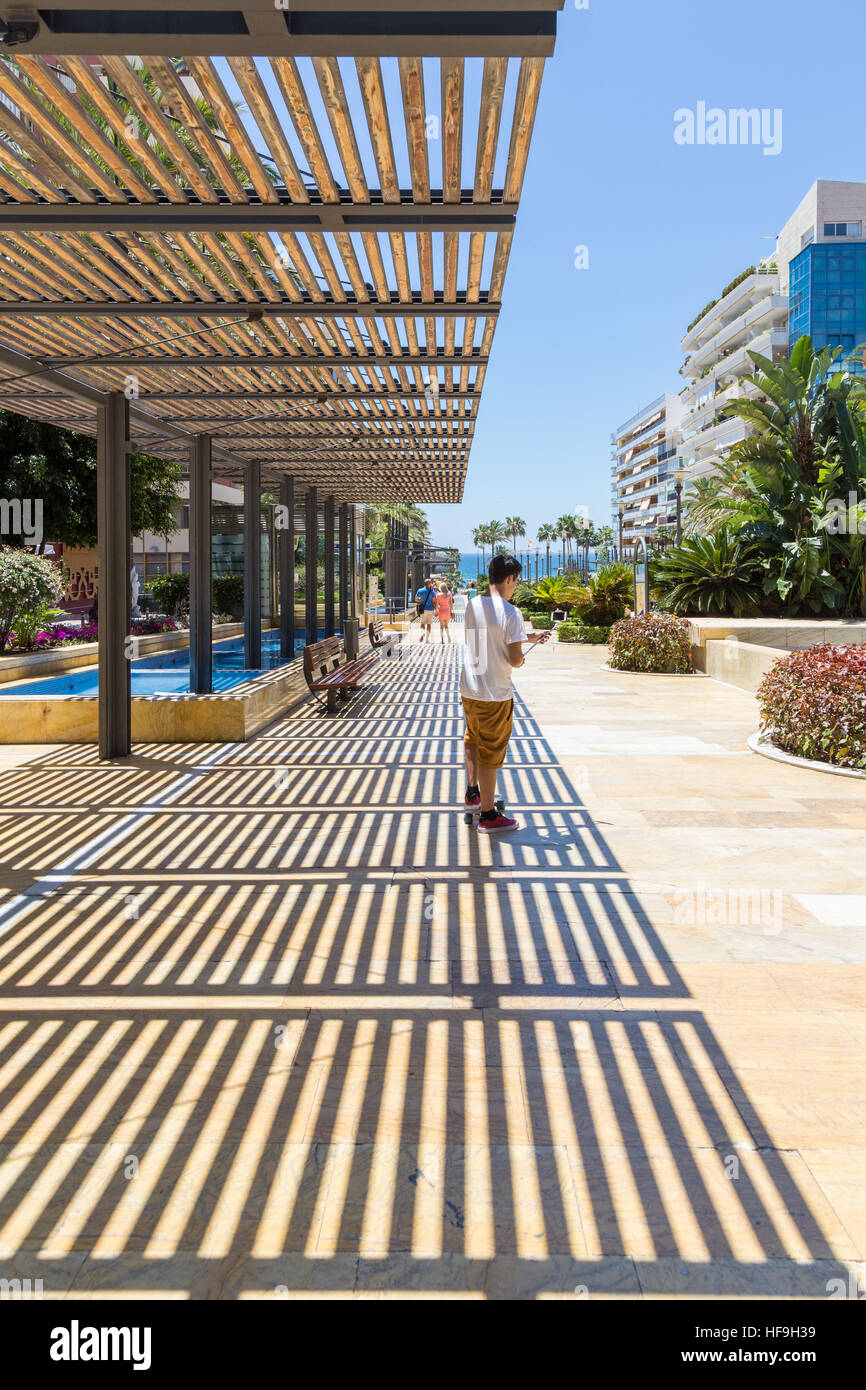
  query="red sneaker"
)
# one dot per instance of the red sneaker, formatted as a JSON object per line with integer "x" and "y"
{"x": 499, "y": 822}
{"x": 471, "y": 800}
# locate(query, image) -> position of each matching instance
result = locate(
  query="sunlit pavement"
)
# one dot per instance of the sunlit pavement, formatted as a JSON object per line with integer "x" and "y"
{"x": 274, "y": 1022}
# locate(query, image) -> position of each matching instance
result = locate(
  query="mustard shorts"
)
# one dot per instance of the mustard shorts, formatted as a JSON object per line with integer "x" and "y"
{"x": 488, "y": 727}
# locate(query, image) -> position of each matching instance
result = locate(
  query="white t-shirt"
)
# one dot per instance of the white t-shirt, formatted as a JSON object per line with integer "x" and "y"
{"x": 492, "y": 625}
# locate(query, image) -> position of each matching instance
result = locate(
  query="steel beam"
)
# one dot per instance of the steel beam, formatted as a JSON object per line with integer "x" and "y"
{"x": 247, "y": 217}
{"x": 114, "y": 545}
{"x": 287, "y": 571}
{"x": 304, "y": 30}
{"x": 311, "y": 553}
{"x": 291, "y": 396}
{"x": 284, "y": 308}
{"x": 176, "y": 362}
{"x": 328, "y": 520}
{"x": 253, "y": 567}
{"x": 200, "y": 600}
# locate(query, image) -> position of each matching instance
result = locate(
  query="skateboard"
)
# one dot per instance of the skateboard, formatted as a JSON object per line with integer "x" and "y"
{"x": 475, "y": 813}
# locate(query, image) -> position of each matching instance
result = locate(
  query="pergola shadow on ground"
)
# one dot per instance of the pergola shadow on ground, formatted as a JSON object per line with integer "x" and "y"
{"x": 274, "y": 1022}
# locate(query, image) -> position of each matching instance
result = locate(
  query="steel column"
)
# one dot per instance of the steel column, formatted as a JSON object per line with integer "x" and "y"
{"x": 311, "y": 551}
{"x": 114, "y": 541}
{"x": 253, "y": 568}
{"x": 329, "y": 565}
{"x": 200, "y": 581}
{"x": 343, "y": 526}
{"x": 287, "y": 570}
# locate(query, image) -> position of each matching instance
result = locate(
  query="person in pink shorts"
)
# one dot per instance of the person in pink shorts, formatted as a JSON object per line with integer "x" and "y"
{"x": 444, "y": 612}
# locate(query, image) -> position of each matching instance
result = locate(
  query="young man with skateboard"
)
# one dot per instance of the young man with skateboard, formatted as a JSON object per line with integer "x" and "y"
{"x": 495, "y": 633}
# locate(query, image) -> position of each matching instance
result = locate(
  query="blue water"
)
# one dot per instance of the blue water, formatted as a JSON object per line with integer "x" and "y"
{"x": 167, "y": 673}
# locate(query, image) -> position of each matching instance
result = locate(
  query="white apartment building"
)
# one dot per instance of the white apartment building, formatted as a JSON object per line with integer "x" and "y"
{"x": 643, "y": 457}
{"x": 750, "y": 315}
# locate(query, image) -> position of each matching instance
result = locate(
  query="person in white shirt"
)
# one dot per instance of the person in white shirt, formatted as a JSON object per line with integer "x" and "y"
{"x": 495, "y": 633}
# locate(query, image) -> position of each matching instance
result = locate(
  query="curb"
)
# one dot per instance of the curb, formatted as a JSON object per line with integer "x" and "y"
{"x": 757, "y": 743}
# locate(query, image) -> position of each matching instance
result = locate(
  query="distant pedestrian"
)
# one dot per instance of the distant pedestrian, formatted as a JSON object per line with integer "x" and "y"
{"x": 444, "y": 612}
{"x": 425, "y": 606}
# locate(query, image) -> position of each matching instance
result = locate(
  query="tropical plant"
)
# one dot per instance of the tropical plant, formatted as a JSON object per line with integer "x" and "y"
{"x": 605, "y": 598}
{"x": 720, "y": 574}
{"x": 553, "y": 592}
{"x": 651, "y": 642}
{"x": 29, "y": 585}
{"x": 778, "y": 485}
{"x": 813, "y": 704}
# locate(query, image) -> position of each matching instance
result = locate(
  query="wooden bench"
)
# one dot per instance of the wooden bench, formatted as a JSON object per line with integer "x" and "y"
{"x": 327, "y": 668}
{"x": 379, "y": 638}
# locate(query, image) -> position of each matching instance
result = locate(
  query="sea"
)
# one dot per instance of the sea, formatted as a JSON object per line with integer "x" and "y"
{"x": 470, "y": 563}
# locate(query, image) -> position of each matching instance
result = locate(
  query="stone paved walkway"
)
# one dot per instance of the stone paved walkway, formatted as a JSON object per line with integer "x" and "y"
{"x": 272, "y": 1020}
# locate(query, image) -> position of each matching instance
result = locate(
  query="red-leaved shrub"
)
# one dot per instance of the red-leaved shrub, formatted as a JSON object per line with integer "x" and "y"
{"x": 652, "y": 642}
{"x": 813, "y": 704}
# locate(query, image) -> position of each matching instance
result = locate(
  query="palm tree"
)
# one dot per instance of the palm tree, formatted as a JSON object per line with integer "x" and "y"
{"x": 515, "y": 526}
{"x": 496, "y": 534}
{"x": 603, "y": 541}
{"x": 481, "y": 538}
{"x": 564, "y": 530}
{"x": 545, "y": 534}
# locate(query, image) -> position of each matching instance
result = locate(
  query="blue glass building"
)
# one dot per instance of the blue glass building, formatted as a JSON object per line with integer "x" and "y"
{"x": 828, "y": 297}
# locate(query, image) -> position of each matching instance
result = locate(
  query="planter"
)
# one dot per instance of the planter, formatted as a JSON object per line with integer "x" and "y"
{"x": 758, "y": 743}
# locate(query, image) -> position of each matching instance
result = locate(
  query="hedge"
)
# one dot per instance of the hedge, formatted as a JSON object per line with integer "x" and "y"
{"x": 542, "y": 622}
{"x": 577, "y": 632}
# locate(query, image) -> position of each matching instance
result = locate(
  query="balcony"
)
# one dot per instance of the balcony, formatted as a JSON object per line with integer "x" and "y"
{"x": 758, "y": 286}
{"x": 744, "y": 326}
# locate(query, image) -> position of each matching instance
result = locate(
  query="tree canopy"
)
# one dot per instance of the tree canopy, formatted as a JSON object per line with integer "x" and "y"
{"x": 42, "y": 461}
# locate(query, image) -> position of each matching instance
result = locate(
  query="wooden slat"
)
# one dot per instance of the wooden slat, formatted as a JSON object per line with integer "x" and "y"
{"x": 87, "y": 81}
{"x": 247, "y": 76}
{"x": 211, "y": 86}
{"x": 293, "y": 94}
{"x": 179, "y": 99}
{"x": 492, "y": 93}
{"x": 74, "y": 110}
{"x": 130, "y": 84}
{"x": 525, "y": 107}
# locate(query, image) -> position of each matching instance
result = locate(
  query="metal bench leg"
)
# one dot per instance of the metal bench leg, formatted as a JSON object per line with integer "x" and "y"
{"x": 332, "y": 700}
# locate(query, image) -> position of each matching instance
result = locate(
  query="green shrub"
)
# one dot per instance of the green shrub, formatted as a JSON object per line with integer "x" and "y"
{"x": 228, "y": 594}
{"x": 581, "y": 632}
{"x": 170, "y": 591}
{"x": 542, "y": 622}
{"x": 651, "y": 642}
{"x": 813, "y": 704}
{"x": 30, "y": 586}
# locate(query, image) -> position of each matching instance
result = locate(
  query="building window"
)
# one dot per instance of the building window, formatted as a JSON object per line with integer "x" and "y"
{"x": 843, "y": 228}
{"x": 808, "y": 237}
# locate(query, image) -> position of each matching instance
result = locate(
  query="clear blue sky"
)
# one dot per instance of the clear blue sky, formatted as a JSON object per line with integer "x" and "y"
{"x": 577, "y": 352}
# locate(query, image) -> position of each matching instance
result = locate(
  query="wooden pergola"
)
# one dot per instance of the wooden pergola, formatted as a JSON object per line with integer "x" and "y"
{"x": 288, "y": 268}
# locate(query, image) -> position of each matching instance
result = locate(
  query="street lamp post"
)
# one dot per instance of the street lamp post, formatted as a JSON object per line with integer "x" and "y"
{"x": 678, "y": 489}
{"x": 621, "y": 514}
